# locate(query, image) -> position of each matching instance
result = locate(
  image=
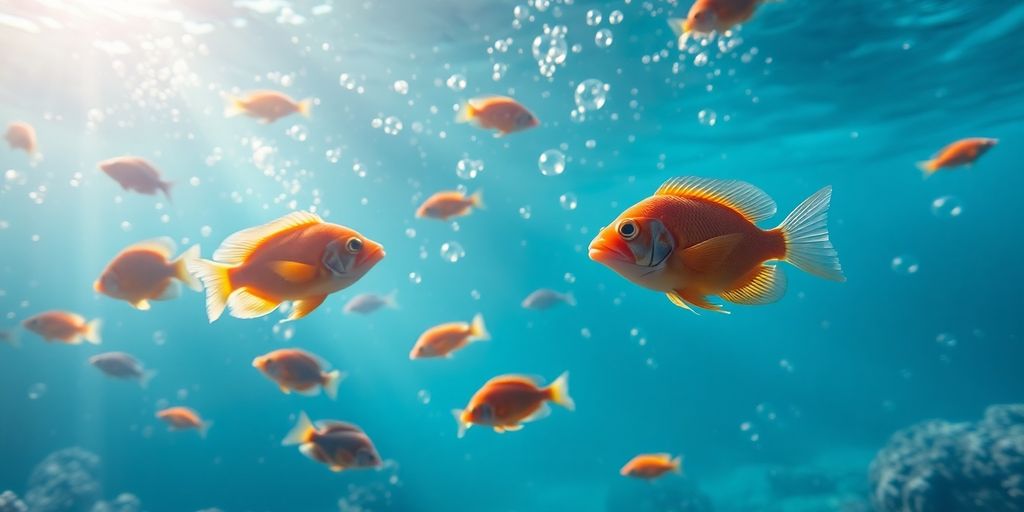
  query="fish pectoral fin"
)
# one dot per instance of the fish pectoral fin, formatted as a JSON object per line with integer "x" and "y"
{"x": 245, "y": 304}
{"x": 301, "y": 308}
{"x": 513, "y": 428}
{"x": 336, "y": 468}
{"x": 676, "y": 299}
{"x": 764, "y": 285}
{"x": 293, "y": 271}
{"x": 500, "y": 430}
{"x": 309, "y": 450}
{"x": 542, "y": 412}
{"x": 709, "y": 254}
{"x": 284, "y": 389}
{"x": 141, "y": 305}
{"x": 699, "y": 301}
{"x": 171, "y": 291}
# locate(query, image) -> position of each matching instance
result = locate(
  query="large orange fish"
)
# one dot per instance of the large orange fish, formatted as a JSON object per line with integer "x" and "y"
{"x": 299, "y": 371}
{"x": 267, "y": 106}
{"x": 443, "y": 340}
{"x": 21, "y": 135}
{"x": 183, "y": 418}
{"x": 64, "y": 327}
{"x": 500, "y": 113}
{"x": 506, "y": 402}
{"x": 961, "y": 152}
{"x": 652, "y": 465}
{"x": 145, "y": 272}
{"x": 298, "y": 258}
{"x": 697, "y": 237}
{"x": 450, "y": 203}
{"x": 708, "y": 16}
{"x": 339, "y": 445}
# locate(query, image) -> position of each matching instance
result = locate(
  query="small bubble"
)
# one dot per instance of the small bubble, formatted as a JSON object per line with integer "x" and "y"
{"x": 905, "y": 264}
{"x": 615, "y": 17}
{"x": 36, "y": 391}
{"x": 551, "y": 162}
{"x": 593, "y": 17}
{"x": 946, "y": 340}
{"x": 159, "y": 338}
{"x": 700, "y": 60}
{"x": 205, "y": 231}
{"x": 468, "y": 169}
{"x": 333, "y": 155}
{"x": 410, "y": 232}
{"x": 568, "y": 201}
{"x": 569, "y": 277}
{"x": 283, "y": 332}
{"x": 707, "y": 117}
{"x": 359, "y": 169}
{"x": 786, "y": 365}
{"x": 415, "y": 278}
{"x": 603, "y": 38}
{"x": 947, "y": 207}
{"x": 475, "y": 294}
{"x": 525, "y": 212}
{"x": 401, "y": 87}
{"x": 590, "y": 144}
{"x": 452, "y": 252}
{"x": 456, "y": 82}
{"x": 298, "y": 132}
{"x": 585, "y": 333}
{"x": 126, "y": 226}
{"x": 423, "y": 396}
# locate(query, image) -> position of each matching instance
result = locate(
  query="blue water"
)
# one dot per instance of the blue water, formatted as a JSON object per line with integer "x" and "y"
{"x": 845, "y": 93}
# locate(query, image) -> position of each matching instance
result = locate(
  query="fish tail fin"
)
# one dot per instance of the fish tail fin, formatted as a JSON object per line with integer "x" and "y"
{"x": 570, "y": 298}
{"x": 299, "y": 434}
{"x": 805, "y": 232}
{"x": 204, "y": 428}
{"x": 928, "y": 167}
{"x": 463, "y": 425}
{"x": 466, "y": 113}
{"x": 678, "y": 26}
{"x": 677, "y": 464}
{"x": 331, "y": 381}
{"x": 217, "y": 280}
{"x": 478, "y": 330}
{"x": 91, "y": 332}
{"x": 181, "y": 268}
{"x": 477, "y": 198}
{"x": 391, "y": 300}
{"x": 305, "y": 107}
{"x": 165, "y": 187}
{"x": 146, "y": 377}
{"x": 559, "y": 391}
{"x": 235, "y": 107}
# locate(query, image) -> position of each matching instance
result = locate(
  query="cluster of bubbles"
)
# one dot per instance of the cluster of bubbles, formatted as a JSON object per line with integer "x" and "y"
{"x": 551, "y": 162}
{"x": 550, "y": 49}
{"x": 401, "y": 87}
{"x": 65, "y": 480}
{"x": 391, "y": 124}
{"x": 707, "y": 117}
{"x": 468, "y": 168}
{"x": 348, "y": 82}
{"x": 452, "y": 252}
{"x": 456, "y": 82}
{"x": 298, "y": 132}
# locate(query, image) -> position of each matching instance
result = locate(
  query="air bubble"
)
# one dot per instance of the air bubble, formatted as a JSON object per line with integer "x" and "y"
{"x": 603, "y": 38}
{"x": 568, "y": 201}
{"x": 905, "y": 264}
{"x": 947, "y": 207}
{"x": 593, "y": 17}
{"x": 452, "y": 252}
{"x": 707, "y": 117}
{"x": 591, "y": 94}
{"x": 401, "y": 87}
{"x": 551, "y": 162}
{"x": 456, "y": 82}
{"x": 468, "y": 169}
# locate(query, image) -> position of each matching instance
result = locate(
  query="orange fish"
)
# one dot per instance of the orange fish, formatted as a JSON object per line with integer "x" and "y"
{"x": 145, "y": 272}
{"x": 448, "y": 204}
{"x": 183, "y": 418}
{"x": 21, "y": 135}
{"x": 267, "y": 106}
{"x": 505, "y": 115}
{"x": 961, "y": 152}
{"x": 697, "y": 237}
{"x": 708, "y": 16}
{"x": 299, "y": 371}
{"x": 652, "y": 465}
{"x": 134, "y": 173}
{"x": 443, "y": 340}
{"x": 508, "y": 401}
{"x": 298, "y": 258}
{"x": 64, "y": 327}
{"x": 337, "y": 444}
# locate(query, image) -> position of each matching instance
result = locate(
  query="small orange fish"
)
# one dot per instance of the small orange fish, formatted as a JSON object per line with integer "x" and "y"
{"x": 183, "y": 418}
{"x": 299, "y": 371}
{"x": 500, "y": 113}
{"x": 134, "y": 173}
{"x": 21, "y": 135}
{"x": 652, "y": 465}
{"x": 448, "y": 204}
{"x": 708, "y": 16}
{"x": 697, "y": 237}
{"x": 961, "y": 152}
{"x": 508, "y": 401}
{"x": 267, "y": 106}
{"x": 145, "y": 272}
{"x": 337, "y": 444}
{"x": 443, "y": 340}
{"x": 64, "y": 327}
{"x": 298, "y": 258}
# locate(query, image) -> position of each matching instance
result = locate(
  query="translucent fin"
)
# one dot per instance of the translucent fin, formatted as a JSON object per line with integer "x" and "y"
{"x": 216, "y": 279}
{"x": 510, "y": 428}
{"x": 244, "y": 304}
{"x": 391, "y": 300}
{"x": 677, "y": 464}
{"x": 305, "y": 107}
{"x": 559, "y": 391}
{"x": 91, "y": 333}
{"x": 676, "y": 24}
{"x": 142, "y": 305}
{"x": 463, "y": 426}
{"x": 293, "y": 271}
{"x": 477, "y": 199}
{"x": 331, "y": 381}
{"x": 165, "y": 187}
{"x": 767, "y": 284}
{"x": 204, "y": 428}
{"x": 235, "y": 107}
{"x": 699, "y": 301}
{"x": 301, "y": 308}
{"x": 542, "y": 412}
{"x": 477, "y": 329}
{"x": 674, "y": 298}
{"x": 709, "y": 254}
{"x": 569, "y": 298}
{"x": 170, "y": 292}
{"x": 146, "y": 377}
{"x": 284, "y": 389}
{"x": 299, "y": 434}
{"x": 928, "y": 167}
{"x": 309, "y": 450}
{"x": 466, "y": 113}
{"x": 181, "y": 266}
{"x": 746, "y": 199}
{"x": 806, "y": 234}
{"x": 237, "y": 247}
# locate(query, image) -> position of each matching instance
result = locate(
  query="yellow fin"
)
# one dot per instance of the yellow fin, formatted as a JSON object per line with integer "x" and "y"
{"x": 142, "y": 305}
{"x": 304, "y": 107}
{"x": 237, "y": 247}
{"x": 299, "y": 434}
{"x": 301, "y": 308}
{"x": 244, "y": 304}
{"x": 285, "y": 389}
{"x": 293, "y": 271}
{"x": 746, "y": 199}
{"x": 709, "y": 254}
{"x": 512, "y": 428}
{"x": 217, "y": 280}
{"x": 698, "y": 301}
{"x": 181, "y": 268}
{"x": 674, "y": 298}
{"x": 559, "y": 390}
{"x": 767, "y": 284}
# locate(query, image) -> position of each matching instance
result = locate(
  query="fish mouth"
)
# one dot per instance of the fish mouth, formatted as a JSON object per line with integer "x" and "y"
{"x": 603, "y": 253}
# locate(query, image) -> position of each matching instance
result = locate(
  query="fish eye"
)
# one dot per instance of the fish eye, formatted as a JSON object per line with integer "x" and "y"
{"x": 354, "y": 245}
{"x": 628, "y": 229}
{"x": 484, "y": 412}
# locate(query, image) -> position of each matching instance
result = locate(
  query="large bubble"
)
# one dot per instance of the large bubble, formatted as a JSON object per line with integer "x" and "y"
{"x": 591, "y": 94}
{"x": 551, "y": 162}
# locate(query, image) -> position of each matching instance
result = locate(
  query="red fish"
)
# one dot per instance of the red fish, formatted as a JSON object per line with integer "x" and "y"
{"x": 652, "y": 465}
{"x": 134, "y": 173}
{"x": 505, "y": 115}
{"x": 268, "y": 106}
{"x": 697, "y": 237}
{"x": 299, "y": 371}
{"x": 508, "y": 401}
{"x": 298, "y": 258}
{"x": 708, "y": 16}
{"x": 337, "y": 444}
{"x": 145, "y": 272}
{"x": 64, "y": 327}
{"x": 445, "y": 339}
{"x": 448, "y": 204}
{"x": 183, "y": 418}
{"x": 961, "y": 152}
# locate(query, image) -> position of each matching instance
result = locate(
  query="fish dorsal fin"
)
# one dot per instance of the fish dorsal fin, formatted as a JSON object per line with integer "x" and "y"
{"x": 237, "y": 247}
{"x": 516, "y": 379}
{"x": 748, "y": 200}
{"x": 709, "y": 254}
{"x": 164, "y": 246}
{"x": 767, "y": 284}
{"x": 337, "y": 426}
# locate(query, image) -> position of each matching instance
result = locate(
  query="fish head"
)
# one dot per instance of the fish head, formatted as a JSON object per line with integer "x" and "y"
{"x": 636, "y": 248}
{"x": 351, "y": 255}
{"x": 107, "y": 284}
{"x": 266, "y": 364}
{"x": 421, "y": 350}
{"x": 701, "y": 19}
{"x": 34, "y": 323}
{"x": 367, "y": 457}
{"x": 481, "y": 414}
{"x": 525, "y": 120}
